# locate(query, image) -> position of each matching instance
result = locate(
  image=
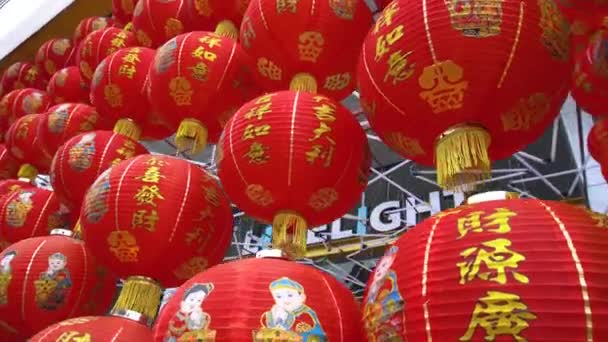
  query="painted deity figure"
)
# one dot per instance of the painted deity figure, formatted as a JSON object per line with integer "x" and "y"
{"x": 81, "y": 154}
{"x": 6, "y": 275}
{"x": 383, "y": 310}
{"x": 191, "y": 323}
{"x": 53, "y": 285}
{"x": 18, "y": 209}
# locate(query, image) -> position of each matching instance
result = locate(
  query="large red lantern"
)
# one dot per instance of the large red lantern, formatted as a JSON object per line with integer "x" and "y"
{"x": 21, "y": 102}
{"x": 435, "y": 94}
{"x": 280, "y": 301}
{"x": 487, "y": 271}
{"x": 81, "y": 159}
{"x": 195, "y": 86}
{"x": 22, "y": 75}
{"x": 316, "y": 151}
{"x": 8, "y": 165}
{"x": 98, "y": 45}
{"x": 23, "y": 143}
{"x": 122, "y": 10}
{"x": 55, "y": 54}
{"x": 66, "y": 85}
{"x": 157, "y": 21}
{"x": 45, "y": 280}
{"x": 90, "y": 25}
{"x": 222, "y": 16}
{"x": 306, "y": 45}
{"x": 95, "y": 328}
{"x": 119, "y": 92}
{"x": 590, "y": 81}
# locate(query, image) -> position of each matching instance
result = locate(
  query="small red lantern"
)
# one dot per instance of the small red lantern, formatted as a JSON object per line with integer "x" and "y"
{"x": 480, "y": 272}
{"x": 66, "y": 85}
{"x": 306, "y": 45}
{"x": 23, "y": 144}
{"x": 597, "y": 141}
{"x": 281, "y": 301}
{"x": 316, "y": 151}
{"x": 123, "y": 10}
{"x": 221, "y": 16}
{"x": 55, "y": 54}
{"x": 21, "y": 102}
{"x": 98, "y": 45}
{"x": 195, "y": 86}
{"x": 45, "y": 280}
{"x": 118, "y": 89}
{"x": 81, "y": 159}
{"x": 157, "y": 21}
{"x": 90, "y": 25}
{"x": 590, "y": 81}
{"x": 22, "y": 75}
{"x": 95, "y": 328}
{"x": 8, "y": 165}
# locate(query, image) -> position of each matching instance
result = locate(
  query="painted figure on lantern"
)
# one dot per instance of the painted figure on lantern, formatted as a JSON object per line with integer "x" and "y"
{"x": 6, "y": 275}
{"x": 82, "y": 153}
{"x": 191, "y": 323}
{"x": 18, "y": 209}
{"x": 95, "y": 206}
{"x": 53, "y": 285}
{"x": 58, "y": 119}
{"x": 476, "y": 18}
{"x": 289, "y": 319}
{"x": 384, "y": 304}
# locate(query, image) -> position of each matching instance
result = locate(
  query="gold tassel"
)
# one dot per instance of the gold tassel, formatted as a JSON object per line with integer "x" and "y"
{"x": 28, "y": 171}
{"x": 191, "y": 135}
{"x": 461, "y": 157}
{"x": 77, "y": 230}
{"x": 303, "y": 82}
{"x": 289, "y": 231}
{"x": 129, "y": 27}
{"x": 141, "y": 295}
{"x": 226, "y": 28}
{"x": 129, "y": 128}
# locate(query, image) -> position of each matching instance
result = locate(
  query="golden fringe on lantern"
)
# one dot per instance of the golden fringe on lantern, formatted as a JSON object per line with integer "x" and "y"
{"x": 192, "y": 135}
{"x": 289, "y": 231}
{"x": 303, "y": 82}
{"x": 28, "y": 171}
{"x": 141, "y": 295}
{"x": 77, "y": 230}
{"x": 226, "y": 28}
{"x": 461, "y": 157}
{"x": 128, "y": 128}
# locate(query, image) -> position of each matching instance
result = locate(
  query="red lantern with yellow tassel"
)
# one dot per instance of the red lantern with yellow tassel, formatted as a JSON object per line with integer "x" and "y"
{"x": 45, "y": 280}
{"x": 81, "y": 159}
{"x": 98, "y": 45}
{"x": 122, "y": 10}
{"x": 315, "y": 150}
{"x": 90, "y": 25}
{"x": 435, "y": 94}
{"x": 597, "y": 141}
{"x": 66, "y": 85}
{"x": 23, "y": 143}
{"x": 22, "y": 75}
{"x": 487, "y": 272}
{"x": 280, "y": 301}
{"x": 306, "y": 45}
{"x": 195, "y": 86}
{"x": 55, "y": 54}
{"x": 21, "y": 102}
{"x": 222, "y": 16}
{"x": 590, "y": 81}
{"x": 95, "y": 328}
{"x": 118, "y": 89}
{"x": 157, "y": 21}
{"x": 8, "y": 165}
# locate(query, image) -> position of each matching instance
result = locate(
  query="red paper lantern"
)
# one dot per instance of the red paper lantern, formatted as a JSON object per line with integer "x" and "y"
{"x": 90, "y": 25}
{"x": 55, "y": 54}
{"x": 8, "y": 186}
{"x": 316, "y": 151}
{"x": 8, "y": 165}
{"x": 21, "y": 102}
{"x": 110, "y": 328}
{"x": 280, "y": 301}
{"x": 157, "y": 21}
{"x": 45, "y": 280}
{"x": 590, "y": 81}
{"x": 306, "y": 45}
{"x": 222, "y": 16}
{"x": 81, "y": 159}
{"x": 22, "y": 75}
{"x": 66, "y": 85}
{"x": 118, "y": 89}
{"x": 123, "y": 10}
{"x": 480, "y": 273}
{"x": 597, "y": 141}
{"x": 23, "y": 143}
{"x": 152, "y": 198}
{"x": 195, "y": 86}
{"x": 100, "y": 44}
{"x": 446, "y": 89}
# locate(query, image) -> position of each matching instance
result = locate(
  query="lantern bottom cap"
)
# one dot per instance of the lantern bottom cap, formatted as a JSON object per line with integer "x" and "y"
{"x": 140, "y": 295}
{"x": 226, "y": 28}
{"x": 303, "y": 82}
{"x": 289, "y": 231}
{"x": 128, "y": 128}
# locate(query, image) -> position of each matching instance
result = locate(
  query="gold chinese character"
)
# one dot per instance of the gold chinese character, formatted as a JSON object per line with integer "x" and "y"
{"x": 31, "y": 75}
{"x": 478, "y": 19}
{"x": 499, "y": 314}
{"x": 181, "y": 91}
{"x": 247, "y": 33}
{"x": 322, "y": 152}
{"x": 203, "y": 8}
{"x": 146, "y": 219}
{"x": 257, "y": 153}
{"x": 252, "y": 131}
{"x": 499, "y": 220}
{"x": 264, "y": 99}
{"x": 199, "y": 237}
{"x": 112, "y": 95}
{"x": 287, "y": 5}
{"x": 152, "y": 175}
{"x": 406, "y": 146}
{"x": 123, "y": 245}
{"x": 325, "y": 112}
{"x": 201, "y": 53}
{"x": 269, "y": 70}
{"x": 497, "y": 258}
{"x": 122, "y": 35}
{"x": 173, "y": 27}
{"x": 337, "y": 81}
{"x": 205, "y": 214}
{"x": 259, "y": 195}
{"x": 118, "y": 43}
{"x": 398, "y": 67}
{"x": 74, "y": 336}
{"x": 211, "y": 41}
{"x": 323, "y": 199}
{"x": 212, "y": 196}
{"x": 320, "y": 131}
{"x": 526, "y": 113}
{"x": 125, "y": 152}
{"x": 132, "y": 57}
{"x": 191, "y": 268}
{"x": 258, "y": 111}
{"x": 556, "y": 30}
{"x": 310, "y": 46}
{"x": 127, "y": 70}
{"x": 153, "y": 161}
{"x": 383, "y": 43}
{"x": 386, "y": 18}
{"x": 443, "y": 86}
{"x": 147, "y": 194}
{"x": 601, "y": 220}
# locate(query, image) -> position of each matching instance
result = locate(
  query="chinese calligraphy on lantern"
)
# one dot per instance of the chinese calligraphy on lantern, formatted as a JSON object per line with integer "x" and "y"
{"x": 147, "y": 195}
{"x": 258, "y": 152}
{"x": 205, "y": 55}
{"x": 310, "y": 46}
{"x": 128, "y": 67}
{"x": 479, "y": 222}
{"x": 526, "y": 113}
{"x": 118, "y": 42}
{"x": 74, "y": 336}
{"x": 323, "y": 143}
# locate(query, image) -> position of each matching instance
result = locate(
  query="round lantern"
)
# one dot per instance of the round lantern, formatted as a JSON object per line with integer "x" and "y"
{"x": 123, "y": 10}
{"x": 45, "y": 280}
{"x": 90, "y": 25}
{"x": 480, "y": 273}
{"x": 95, "y": 328}
{"x": 597, "y": 141}
{"x": 98, "y": 45}
{"x": 435, "y": 94}
{"x": 316, "y": 151}
{"x": 590, "y": 81}
{"x": 21, "y": 102}
{"x": 156, "y": 21}
{"x": 222, "y": 16}
{"x": 118, "y": 89}
{"x": 22, "y": 75}
{"x": 280, "y": 301}
{"x": 66, "y": 85}
{"x": 195, "y": 86}
{"x": 53, "y": 55}
{"x": 24, "y": 145}
{"x": 8, "y": 165}
{"x": 306, "y": 45}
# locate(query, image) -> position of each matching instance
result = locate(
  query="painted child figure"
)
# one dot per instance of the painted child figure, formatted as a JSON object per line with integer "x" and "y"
{"x": 6, "y": 275}
{"x": 191, "y": 323}
{"x": 57, "y": 274}
{"x": 383, "y": 311}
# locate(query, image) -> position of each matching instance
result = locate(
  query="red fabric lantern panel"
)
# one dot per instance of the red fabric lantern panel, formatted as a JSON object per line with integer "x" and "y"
{"x": 45, "y": 280}
{"x": 8, "y": 186}
{"x": 22, "y": 75}
{"x": 590, "y": 81}
{"x": 21, "y": 102}
{"x": 487, "y": 272}
{"x": 222, "y": 16}
{"x": 8, "y": 165}
{"x": 110, "y": 328}
{"x": 152, "y": 198}
{"x": 100, "y": 44}
{"x": 66, "y": 85}
{"x": 30, "y": 212}
{"x": 157, "y": 21}
{"x": 122, "y": 10}
{"x": 280, "y": 301}
{"x": 292, "y": 41}
{"x": 597, "y": 141}
{"x": 81, "y": 159}
{"x": 155, "y": 128}
{"x": 90, "y": 25}
{"x": 313, "y": 146}
{"x": 55, "y": 54}
{"x": 23, "y": 143}
{"x": 435, "y": 93}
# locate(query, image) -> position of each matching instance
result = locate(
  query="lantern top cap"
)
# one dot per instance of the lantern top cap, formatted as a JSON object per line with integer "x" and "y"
{"x": 63, "y": 232}
{"x": 491, "y": 196}
{"x": 271, "y": 253}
